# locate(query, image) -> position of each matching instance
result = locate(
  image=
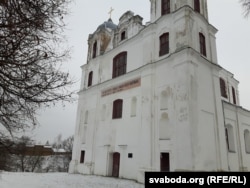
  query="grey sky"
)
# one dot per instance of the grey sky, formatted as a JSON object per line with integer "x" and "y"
{"x": 233, "y": 50}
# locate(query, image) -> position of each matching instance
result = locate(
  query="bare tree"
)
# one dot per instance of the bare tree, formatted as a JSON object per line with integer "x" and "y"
{"x": 31, "y": 55}
{"x": 246, "y": 7}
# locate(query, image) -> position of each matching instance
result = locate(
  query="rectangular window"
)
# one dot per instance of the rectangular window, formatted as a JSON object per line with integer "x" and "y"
{"x": 90, "y": 79}
{"x": 223, "y": 88}
{"x": 165, "y": 7}
{"x": 82, "y": 156}
{"x": 94, "y": 50}
{"x": 202, "y": 44}
{"x": 197, "y": 6}
{"x": 164, "y": 44}
{"x": 234, "y": 95}
{"x": 123, "y": 35}
{"x": 117, "y": 109}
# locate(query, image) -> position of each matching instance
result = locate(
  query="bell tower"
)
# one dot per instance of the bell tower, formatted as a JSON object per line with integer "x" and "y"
{"x": 163, "y": 7}
{"x": 188, "y": 25}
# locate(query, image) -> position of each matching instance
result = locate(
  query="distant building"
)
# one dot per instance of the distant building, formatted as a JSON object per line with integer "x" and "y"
{"x": 154, "y": 98}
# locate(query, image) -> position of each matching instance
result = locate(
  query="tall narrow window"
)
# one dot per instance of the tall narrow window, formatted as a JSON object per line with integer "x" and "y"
{"x": 82, "y": 156}
{"x": 202, "y": 44}
{"x": 90, "y": 78}
{"x": 247, "y": 140}
{"x": 197, "y": 6}
{"x": 223, "y": 89}
{"x": 123, "y": 35}
{"x": 117, "y": 109}
{"x": 164, "y": 44}
{"x": 234, "y": 95}
{"x": 120, "y": 64}
{"x": 165, "y": 7}
{"x": 94, "y": 50}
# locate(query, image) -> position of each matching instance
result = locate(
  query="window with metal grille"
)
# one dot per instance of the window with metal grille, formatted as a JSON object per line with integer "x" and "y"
{"x": 165, "y": 7}
{"x": 202, "y": 44}
{"x": 119, "y": 64}
{"x": 164, "y": 44}
{"x": 117, "y": 109}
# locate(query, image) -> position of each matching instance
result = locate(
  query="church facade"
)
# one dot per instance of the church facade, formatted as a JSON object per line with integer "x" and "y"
{"x": 154, "y": 98}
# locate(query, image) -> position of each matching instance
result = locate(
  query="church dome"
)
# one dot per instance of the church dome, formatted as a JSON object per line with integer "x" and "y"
{"x": 107, "y": 24}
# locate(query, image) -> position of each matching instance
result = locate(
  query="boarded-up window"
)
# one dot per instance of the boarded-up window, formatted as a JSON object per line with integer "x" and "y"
{"x": 164, "y": 44}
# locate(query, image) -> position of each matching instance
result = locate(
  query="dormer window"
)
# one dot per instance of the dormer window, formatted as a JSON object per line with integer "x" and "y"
{"x": 123, "y": 35}
{"x": 165, "y": 7}
{"x": 94, "y": 50}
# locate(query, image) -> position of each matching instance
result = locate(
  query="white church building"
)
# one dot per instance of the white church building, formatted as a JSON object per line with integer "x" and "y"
{"x": 154, "y": 98}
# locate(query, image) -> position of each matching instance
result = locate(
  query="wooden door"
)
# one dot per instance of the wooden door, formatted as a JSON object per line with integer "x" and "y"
{"x": 116, "y": 164}
{"x": 165, "y": 165}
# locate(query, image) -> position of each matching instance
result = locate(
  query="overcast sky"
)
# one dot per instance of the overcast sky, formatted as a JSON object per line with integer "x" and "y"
{"x": 233, "y": 49}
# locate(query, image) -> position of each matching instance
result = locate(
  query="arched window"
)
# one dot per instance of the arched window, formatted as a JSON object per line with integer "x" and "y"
{"x": 120, "y": 64}
{"x": 202, "y": 44}
{"x": 229, "y": 133}
{"x": 164, "y": 44}
{"x": 197, "y": 6}
{"x": 117, "y": 109}
{"x": 90, "y": 78}
{"x": 165, "y": 7}
{"x": 234, "y": 95}
{"x": 247, "y": 140}
{"x": 94, "y": 50}
{"x": 223, "y": 88}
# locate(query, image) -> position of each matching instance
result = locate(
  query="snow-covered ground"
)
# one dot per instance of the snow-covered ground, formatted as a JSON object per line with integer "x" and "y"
{"x": 62, "y": 180}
